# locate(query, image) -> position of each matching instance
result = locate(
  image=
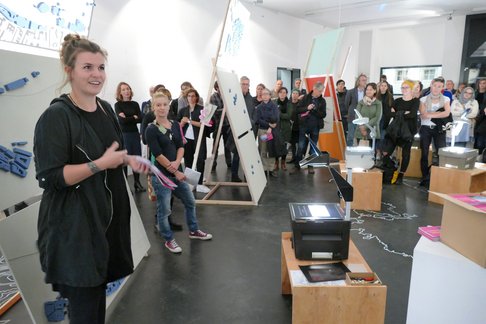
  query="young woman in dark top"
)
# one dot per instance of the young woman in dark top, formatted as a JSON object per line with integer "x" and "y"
{"x": 189, "y": 118}
{"x": 84, "y": 215}
{"x": 165, "y": 141}
{"x": 386, "y": 97}
{"x": 129, "y": 115}
{"x": 407, "y": 105}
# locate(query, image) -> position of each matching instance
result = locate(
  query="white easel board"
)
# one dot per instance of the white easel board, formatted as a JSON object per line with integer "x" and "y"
{"x": 245, "y": 142}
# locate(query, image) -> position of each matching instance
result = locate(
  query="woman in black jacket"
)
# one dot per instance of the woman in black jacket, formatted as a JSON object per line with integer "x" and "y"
{"x": 407, "y": 107}
{"x": 84, "y": 215}
{"x": 129, "y": 115}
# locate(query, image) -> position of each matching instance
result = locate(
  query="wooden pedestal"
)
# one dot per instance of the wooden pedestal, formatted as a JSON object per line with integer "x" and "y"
{"x": 447, "y": 180}
{"x": 413, "y": 170}
{"x": 367, "y": 186}
{"x": 331, "y": 304}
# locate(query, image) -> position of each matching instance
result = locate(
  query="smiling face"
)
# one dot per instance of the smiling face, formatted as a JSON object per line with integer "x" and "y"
{"x": 160, "y": 105}
{"x": 88, "y": 75}
{"x": 370, "y": 92}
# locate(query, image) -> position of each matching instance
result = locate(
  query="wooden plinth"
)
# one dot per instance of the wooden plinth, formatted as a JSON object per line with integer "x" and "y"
{"x": 331, "y": 304}
{"x": 413, "y": 170}
{"x": 367, "y": 187}
{"x": 447, "y": 180}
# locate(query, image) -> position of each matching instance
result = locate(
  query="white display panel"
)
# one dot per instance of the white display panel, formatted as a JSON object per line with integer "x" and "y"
{"x": 241, "y": 127}
{"x": 18, "y": 236}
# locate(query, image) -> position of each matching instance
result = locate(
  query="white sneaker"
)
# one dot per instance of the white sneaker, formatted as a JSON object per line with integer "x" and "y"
{"x": 202, "y": 188}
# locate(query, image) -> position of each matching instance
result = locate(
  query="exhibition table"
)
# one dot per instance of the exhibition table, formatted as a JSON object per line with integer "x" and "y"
{"x": 342, "y": 303}
{"x": 448, "y": 180}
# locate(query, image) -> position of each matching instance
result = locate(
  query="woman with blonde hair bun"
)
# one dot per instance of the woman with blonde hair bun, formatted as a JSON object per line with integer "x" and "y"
{"x": 84, "y": 215}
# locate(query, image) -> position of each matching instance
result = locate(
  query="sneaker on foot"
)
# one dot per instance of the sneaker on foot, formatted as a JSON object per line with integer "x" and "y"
{"x": 202, "y": 188}
{"x": 173, "y": 246}
{"x": 200, "y": 235}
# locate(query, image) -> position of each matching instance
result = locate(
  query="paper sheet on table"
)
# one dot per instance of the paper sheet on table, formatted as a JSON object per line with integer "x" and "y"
{"x": 192, "y": 176}
{"x": 356, "y": 267}
{"x": 189, "y": 133}
{"x": 298, "y": 279}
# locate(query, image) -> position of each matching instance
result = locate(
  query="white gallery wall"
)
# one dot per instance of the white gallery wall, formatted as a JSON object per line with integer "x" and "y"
{"x": 436, "y": 41}
{"x": 168, "y": 42}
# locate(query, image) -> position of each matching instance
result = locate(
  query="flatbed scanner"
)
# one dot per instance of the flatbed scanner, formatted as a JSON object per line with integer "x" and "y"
{"x": 319, "y": 231}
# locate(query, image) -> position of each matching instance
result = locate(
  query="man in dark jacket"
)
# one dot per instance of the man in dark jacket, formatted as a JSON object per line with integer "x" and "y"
{"x": 311, "y": 111}
{"x": 341, "y": 97}
{"x": 354, "y": 96}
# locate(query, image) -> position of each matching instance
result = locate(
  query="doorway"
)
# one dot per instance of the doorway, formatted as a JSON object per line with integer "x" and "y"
{"x": 288, "y": 76}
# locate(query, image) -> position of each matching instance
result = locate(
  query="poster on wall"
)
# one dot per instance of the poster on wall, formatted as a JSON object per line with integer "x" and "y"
{"x": 42, "y": 24}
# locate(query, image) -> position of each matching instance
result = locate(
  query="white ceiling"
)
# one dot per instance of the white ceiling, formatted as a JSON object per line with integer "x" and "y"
{"x": 356, "y": 12}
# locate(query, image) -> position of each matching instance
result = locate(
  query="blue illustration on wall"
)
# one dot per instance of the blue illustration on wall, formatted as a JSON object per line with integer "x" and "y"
{"x": 46, "y": 26}
{"x": 18, "y": 83}
{"x": 113, "y": 286}
{"x": 16, "y": 161}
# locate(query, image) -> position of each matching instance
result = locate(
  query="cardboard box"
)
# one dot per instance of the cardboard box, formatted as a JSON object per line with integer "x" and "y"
{"x": 356, "y": 278}
{"x": 463, "y": 226}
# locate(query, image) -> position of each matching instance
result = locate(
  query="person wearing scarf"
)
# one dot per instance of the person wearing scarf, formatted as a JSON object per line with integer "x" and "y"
{"x": 369, "y": 107}
{"x": 266, "y": 119}
{"x": 464, "y": 102}
{"x": 434, "y": 105}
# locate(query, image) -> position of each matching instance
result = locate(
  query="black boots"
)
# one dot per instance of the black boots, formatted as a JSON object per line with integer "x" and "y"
{"x": 138, "y": 185}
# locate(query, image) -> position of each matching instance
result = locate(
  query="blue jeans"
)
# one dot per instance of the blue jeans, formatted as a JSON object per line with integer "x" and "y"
{"x": 313, "y": 133}
{"x": 163, "y": 205}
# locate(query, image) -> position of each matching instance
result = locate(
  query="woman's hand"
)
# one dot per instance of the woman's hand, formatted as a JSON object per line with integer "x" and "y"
{"x": 180, "y": 176}
{"x": 136, "y": 165}
{"x": 184, "y": 121}
{"x": 112, "y": 158}
{"x": 122, "y": 115}
{"x": 174, "y": 165}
